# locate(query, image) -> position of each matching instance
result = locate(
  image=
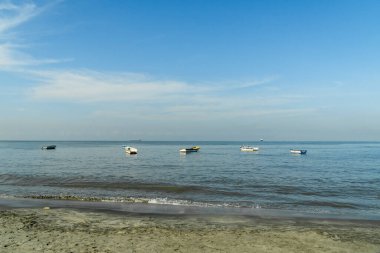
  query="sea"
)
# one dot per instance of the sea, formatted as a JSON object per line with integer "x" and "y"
{"x": 334, "y": 179}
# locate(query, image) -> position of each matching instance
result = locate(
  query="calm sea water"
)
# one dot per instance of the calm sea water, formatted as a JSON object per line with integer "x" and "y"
{"x": 335, "y": 178}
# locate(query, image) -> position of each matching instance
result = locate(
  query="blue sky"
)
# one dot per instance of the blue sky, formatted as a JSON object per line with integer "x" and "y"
{"x": 190, "y": 70}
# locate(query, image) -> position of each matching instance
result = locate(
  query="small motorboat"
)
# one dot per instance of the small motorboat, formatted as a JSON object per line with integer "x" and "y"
{"x": 298, "y": 151}
{"x": 248, "y": 149}
{"x": 189, "y": 150}
{"x": 49, "y": 147}
{"x": 130, "y": 150}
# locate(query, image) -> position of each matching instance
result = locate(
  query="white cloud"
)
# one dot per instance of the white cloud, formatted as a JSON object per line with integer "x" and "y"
{"x": 91, "y": 86}
{"x": 160, "y": 100}
{"x": 94, "y": 86}
{"x": 13, "y": 15}
{"x": 255, "y": 83}
{"x": 149, "y": 97}
{"x": 11, "y": 58}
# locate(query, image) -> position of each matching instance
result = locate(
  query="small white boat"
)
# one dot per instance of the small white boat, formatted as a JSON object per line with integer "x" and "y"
{"x": 248, "y": 149}
{"x": 298, "y": 151}
{"x": 130, "y": 150}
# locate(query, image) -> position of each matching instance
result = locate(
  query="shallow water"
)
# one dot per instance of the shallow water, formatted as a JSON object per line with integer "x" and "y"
{"x": 334, "y": 178}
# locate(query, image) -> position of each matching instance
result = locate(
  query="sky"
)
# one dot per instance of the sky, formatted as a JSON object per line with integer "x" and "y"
{"x": 190, "y": 70}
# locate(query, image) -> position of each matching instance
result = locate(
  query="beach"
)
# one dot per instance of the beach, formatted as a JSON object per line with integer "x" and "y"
{"x": 71, "y": 230}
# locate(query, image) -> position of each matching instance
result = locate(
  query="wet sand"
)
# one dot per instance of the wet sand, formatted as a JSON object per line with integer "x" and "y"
{"x": 68, "y": 230}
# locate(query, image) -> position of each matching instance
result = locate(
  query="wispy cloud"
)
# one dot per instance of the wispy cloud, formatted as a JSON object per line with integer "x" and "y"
{"x": 13, "y": 15}
{"x": 95, "y": 86}
{"x": 11, "y": 57}
{"x": 92, "y": 86}
{"x": 255, "y": 83}
{"x": 150, "y": 98}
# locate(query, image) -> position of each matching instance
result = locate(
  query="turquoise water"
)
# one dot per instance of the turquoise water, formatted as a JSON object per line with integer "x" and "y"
{"x": 337, "y": 178}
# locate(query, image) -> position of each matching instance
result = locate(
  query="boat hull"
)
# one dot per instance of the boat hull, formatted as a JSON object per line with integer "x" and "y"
{"x": 49, "y": 147}
{"x": 298, "y": 151}
{"x": 189, "y": 150}
{"x": 249, "y": 149}
{"x": 130, "y": 150}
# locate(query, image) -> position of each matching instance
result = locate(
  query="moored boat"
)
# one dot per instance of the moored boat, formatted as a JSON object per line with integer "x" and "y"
{"x": 249, "y": 149}
{"x": 130, "y": 150}
{"x": 189, "y": 150}
{"x": 49, "y": 147}
{"x": 298, "y": 151}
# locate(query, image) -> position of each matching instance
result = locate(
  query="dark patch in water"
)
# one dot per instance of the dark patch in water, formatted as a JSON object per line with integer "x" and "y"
{"x": 327, "y": 204}
{"x": 31, "y": 180}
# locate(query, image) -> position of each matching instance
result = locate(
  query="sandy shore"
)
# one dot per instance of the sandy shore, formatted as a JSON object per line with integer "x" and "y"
{"x": 66, "y": 230}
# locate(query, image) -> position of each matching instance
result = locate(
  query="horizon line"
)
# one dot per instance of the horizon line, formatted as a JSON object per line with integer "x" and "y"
{"x": 140, "y": 140}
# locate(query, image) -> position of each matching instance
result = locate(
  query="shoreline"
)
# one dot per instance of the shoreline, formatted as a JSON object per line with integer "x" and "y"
{"x": 57, "y": 229}
{"x": 142, "y": 206}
